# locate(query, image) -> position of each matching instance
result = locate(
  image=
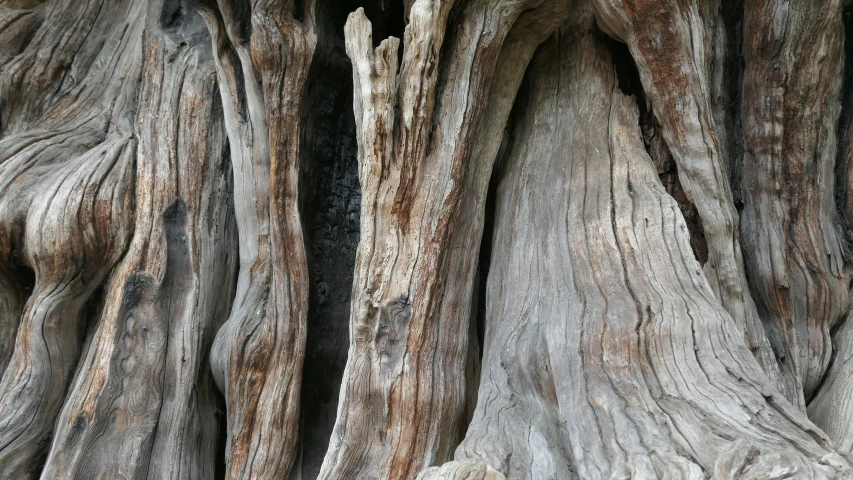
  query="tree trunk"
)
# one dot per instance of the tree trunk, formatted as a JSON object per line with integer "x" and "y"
{"x": 473, "y": 239}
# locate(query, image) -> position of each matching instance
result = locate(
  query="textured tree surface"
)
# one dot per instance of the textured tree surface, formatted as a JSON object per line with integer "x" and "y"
{"x": 426, "y": 239}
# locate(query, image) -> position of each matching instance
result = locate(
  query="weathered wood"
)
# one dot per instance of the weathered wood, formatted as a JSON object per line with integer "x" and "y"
{"x": 677, "y": 47}
{"x": 791, "y": 94}
{"x": 151, "y": 244}
{"x": 262, "y": 54}
{"x": 800, "y": 268}
{"x": 423, "y": 192}
{"x": 66, "y": 177}
{"x": 832, "y": 405}
{"x": 143, "y": 404}
{"x": 607, "y": 353}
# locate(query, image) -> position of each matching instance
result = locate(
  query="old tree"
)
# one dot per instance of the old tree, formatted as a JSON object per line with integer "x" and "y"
{"x": 426, "y": 239}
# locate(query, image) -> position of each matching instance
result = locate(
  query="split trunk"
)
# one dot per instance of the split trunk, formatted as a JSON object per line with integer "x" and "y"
{"x": 426, "y": 239}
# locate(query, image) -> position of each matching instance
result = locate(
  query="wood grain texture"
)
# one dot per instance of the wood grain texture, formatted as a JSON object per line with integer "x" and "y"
{"x": 66, "y": 177}
{"x": 607, "y": 353}
{"x": 142, "y": 404}
{"x": 262, "y": 53}
{"x": 423, "y": 192}
{"x": 667, "y": 274}
{"x": 795, "y": 255}
{"x": 833, "y": 402}
{"x": 678, "y": 48}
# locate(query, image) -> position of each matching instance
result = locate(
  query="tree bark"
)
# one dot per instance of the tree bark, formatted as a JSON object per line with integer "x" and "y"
{"x": 143, "y": 402}
{"x": 262, "y": 54}
{"x": 195, "y": 211}
{"x": 676, "y": 47}
{"x": 423, "y": 188}
{"x": 67, "y": 161}
{"x": 607, "y": 352}
{"x": 795, "y": 252}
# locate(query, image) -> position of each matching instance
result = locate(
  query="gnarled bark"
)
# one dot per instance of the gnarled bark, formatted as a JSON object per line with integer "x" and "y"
{"x": 66, "y": 176}
{"x": 427, "y": 141}
{"x": 262, "y": 53}
{"x": 607, "y": 353}
{"x": 143, "y": 402}
{"x": 667, "y": 290}
{"x": 678, "y": 47}
{"x": 792, "y": 84}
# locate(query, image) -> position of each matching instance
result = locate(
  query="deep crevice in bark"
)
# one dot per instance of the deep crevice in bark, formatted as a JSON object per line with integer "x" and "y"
{"x": 628, "y": 81}
{"x": 388, "y": 19}
{"x": 331, "y": 198}
{"x": 21, "y": 276}
{"x": 485, "y": 256}
{"x": 483, "y": 264}
{"x": 668, "y": 173}
{"x": 89, "y": 315}
{"x": 843, "y": 134}
{"x": 627, "y": 74}
{"x": 732, "y": 17}
{"x": 222, "y": 435}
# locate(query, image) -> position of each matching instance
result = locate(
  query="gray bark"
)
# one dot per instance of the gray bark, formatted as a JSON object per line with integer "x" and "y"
{"x": 216, "y": 214}
{"x": 607, "y": 351}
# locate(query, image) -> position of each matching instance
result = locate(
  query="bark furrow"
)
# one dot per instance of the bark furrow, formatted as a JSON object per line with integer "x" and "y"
{"x": 427, "y": 138}
{"x": 262, "y": 54}
{"x": 143, "y": 402}
{"x": 607, "y": 352}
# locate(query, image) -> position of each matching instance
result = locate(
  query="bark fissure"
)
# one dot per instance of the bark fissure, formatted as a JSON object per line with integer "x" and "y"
{"x": 641, "y": 362}
{"x": 731, "y": 94}
{"x": 794, "y": 251}
{"x": 262, "y": 239}
{"x": 331, "y": 204}
{"x": 629, "y": 83}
